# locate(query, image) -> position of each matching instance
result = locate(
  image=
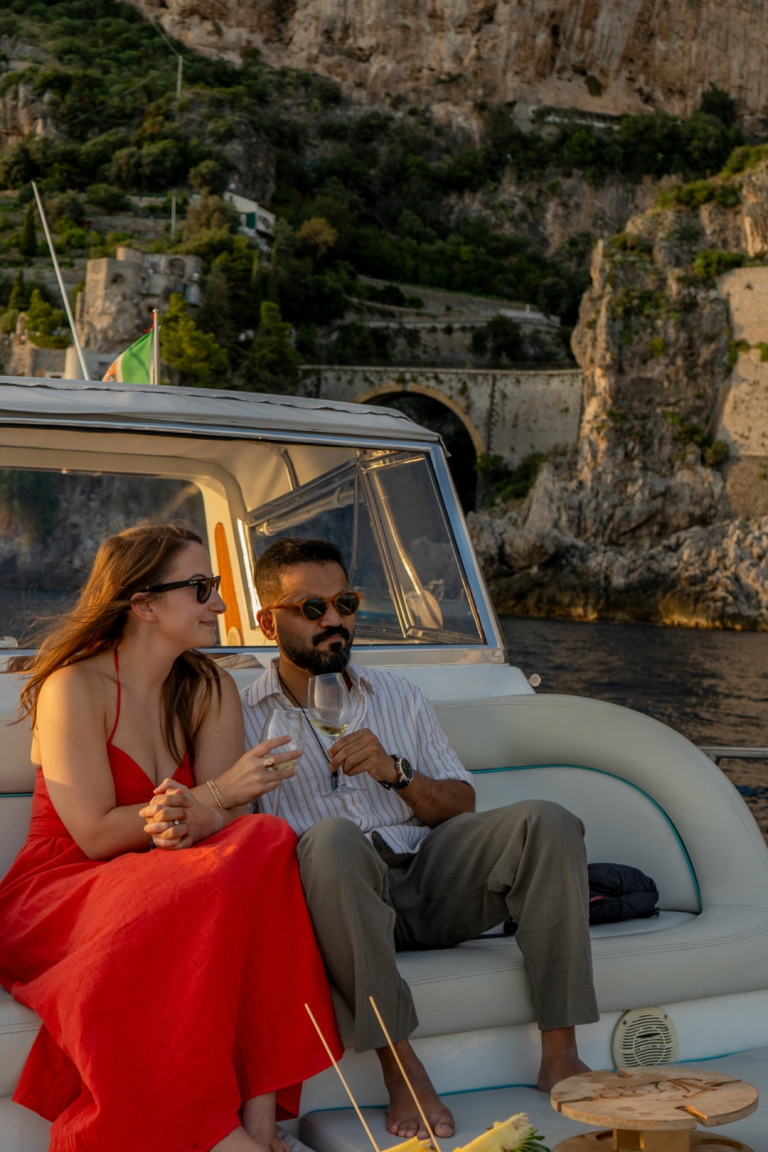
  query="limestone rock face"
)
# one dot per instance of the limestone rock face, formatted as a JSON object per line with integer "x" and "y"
{"x": 564, "y": 208}
{"x": 703, "y": 577}
{"x": 22, "y": 114}
{"x": 456, "y": 51}
{"x": 638, "y": 523}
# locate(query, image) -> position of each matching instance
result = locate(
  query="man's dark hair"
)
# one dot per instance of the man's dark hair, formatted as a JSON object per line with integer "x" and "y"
{"x": 286, "y": 553}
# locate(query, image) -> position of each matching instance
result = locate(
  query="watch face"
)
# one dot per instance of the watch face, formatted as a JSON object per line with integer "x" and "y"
{"x": 404, "y": 770}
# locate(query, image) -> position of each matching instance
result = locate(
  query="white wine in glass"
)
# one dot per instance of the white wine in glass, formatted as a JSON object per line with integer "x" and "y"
{"x": 329, "y": 708}
{"x": 283, "y": 722}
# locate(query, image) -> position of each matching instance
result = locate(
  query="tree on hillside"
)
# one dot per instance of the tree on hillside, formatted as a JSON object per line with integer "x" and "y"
{"x": 194, "y": 357}
{"x": 19, "y": 297}
{"x": 210, "y": 214}
{"x": 271, "y": 363}
{"x": 317, "y": 235}
{"x": 28, "y": 238}
{"x": 46, "y": 325}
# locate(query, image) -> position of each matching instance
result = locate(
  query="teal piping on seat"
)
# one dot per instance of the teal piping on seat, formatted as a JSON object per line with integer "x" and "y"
{"x": 614, "y": 776}
{"x": 14, "y": 795}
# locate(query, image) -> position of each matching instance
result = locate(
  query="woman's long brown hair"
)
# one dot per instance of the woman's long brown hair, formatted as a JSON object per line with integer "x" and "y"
{"x": 125, "y": 564}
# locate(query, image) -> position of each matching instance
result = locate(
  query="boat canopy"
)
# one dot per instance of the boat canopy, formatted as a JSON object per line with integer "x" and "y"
{"x": 152, "y": 405}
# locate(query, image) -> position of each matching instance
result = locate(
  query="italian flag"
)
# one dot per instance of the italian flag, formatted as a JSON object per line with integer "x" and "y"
{"x": 135, "y": 365}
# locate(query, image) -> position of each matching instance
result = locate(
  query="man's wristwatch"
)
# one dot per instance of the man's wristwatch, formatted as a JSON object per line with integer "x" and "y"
{"x": 405, "y": 774}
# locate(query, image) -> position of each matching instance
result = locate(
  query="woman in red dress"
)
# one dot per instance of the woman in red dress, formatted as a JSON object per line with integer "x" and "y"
{"x": 171, "y": 984}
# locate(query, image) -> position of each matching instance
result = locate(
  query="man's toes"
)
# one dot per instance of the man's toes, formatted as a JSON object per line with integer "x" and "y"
{"x": 444, "y": 1127}
{"x": 405, "y": 1129}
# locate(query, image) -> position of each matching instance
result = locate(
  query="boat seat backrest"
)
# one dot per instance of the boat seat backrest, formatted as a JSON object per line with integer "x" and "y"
{"x": 622, "y": 824}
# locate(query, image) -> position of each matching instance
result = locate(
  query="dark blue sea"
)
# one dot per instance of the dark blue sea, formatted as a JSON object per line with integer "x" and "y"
{"x": 711, "y": 686}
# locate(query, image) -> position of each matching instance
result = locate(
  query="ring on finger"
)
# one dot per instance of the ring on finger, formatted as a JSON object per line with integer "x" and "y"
{"x": 269, "y": 762}
{"x": 177, "y": 821}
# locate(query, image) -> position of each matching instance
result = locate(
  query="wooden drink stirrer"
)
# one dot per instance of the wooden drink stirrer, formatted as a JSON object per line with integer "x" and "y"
{"x": 427, "y": 1124}
{"x": 341, "y": 1077}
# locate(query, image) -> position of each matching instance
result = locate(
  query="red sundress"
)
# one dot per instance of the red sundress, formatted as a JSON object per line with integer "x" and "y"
{"x": 171, "y": 984}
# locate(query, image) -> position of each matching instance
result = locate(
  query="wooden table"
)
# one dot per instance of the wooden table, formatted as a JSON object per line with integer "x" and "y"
{"x": 653, "y": 1109}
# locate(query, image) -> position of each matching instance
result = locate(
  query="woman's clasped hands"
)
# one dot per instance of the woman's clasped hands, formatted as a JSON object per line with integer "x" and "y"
{"x": 176, "y": 818}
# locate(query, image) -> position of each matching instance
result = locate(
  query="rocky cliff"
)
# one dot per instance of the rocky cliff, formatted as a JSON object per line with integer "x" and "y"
{"x": 654, "y": 517}
{"x": 637, "y": 53}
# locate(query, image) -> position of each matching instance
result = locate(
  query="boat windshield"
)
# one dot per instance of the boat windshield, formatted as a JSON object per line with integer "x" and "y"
{"x": 385, "y": 513}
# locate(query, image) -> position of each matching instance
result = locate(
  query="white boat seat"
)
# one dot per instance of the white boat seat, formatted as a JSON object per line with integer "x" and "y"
{"x": 646, "y": 796}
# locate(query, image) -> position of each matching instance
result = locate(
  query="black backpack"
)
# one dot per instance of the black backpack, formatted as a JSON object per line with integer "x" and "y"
{"x": 620, "y": 892}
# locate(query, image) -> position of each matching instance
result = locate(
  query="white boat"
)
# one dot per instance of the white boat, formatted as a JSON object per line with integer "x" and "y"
{"x": 250, "y": 467}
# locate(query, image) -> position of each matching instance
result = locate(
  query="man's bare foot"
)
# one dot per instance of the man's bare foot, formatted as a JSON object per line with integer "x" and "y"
{"x": 403, "y": 1117}
{"x": 559, "y": 1058}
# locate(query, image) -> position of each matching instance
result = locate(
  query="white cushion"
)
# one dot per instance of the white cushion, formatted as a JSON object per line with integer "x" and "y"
{"x": 18, "y": 1028}
{"x": 14, "y": 821}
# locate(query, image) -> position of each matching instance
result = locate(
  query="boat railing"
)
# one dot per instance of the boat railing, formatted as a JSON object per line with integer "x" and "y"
{"x": 718, "y": 752}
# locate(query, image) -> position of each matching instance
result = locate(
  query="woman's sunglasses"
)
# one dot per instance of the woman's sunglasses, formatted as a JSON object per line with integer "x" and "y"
{"x": 203, "y": 585}
{"x": 315, "y": 607}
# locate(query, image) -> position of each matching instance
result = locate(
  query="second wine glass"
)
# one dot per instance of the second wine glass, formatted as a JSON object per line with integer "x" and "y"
{"x": 283, "y": 722}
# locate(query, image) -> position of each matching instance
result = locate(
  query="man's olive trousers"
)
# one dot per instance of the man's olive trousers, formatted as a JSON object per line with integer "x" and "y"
{"x": 525, "y": 861}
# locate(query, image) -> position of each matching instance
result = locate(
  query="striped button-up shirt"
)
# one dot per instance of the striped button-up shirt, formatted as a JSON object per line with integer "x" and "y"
{"x": 399, "y": 714}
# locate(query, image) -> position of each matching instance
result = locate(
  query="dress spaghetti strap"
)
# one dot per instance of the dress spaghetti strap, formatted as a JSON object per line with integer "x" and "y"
{"x": 117, "y": 716}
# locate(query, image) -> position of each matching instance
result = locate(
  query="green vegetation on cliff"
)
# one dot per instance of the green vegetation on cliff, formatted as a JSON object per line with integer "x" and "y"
{"x": 390, "y": 195}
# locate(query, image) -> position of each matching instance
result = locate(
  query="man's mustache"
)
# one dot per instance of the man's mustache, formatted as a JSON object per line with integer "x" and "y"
{"x": 326, "y": 634}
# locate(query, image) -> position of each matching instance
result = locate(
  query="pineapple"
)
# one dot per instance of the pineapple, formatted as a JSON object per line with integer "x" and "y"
{"x": 412, "y": 1145}
{"x": 515, "y": 1135}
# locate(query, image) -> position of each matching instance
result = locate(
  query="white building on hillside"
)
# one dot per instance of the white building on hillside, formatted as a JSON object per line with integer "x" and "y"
{"x": 254, "y": 220}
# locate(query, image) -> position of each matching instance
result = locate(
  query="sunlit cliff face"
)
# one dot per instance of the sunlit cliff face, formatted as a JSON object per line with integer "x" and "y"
{"x": 454, "y": 52}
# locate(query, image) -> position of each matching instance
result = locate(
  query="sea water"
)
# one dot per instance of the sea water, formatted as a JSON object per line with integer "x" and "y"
{"x": 711, "y": 686}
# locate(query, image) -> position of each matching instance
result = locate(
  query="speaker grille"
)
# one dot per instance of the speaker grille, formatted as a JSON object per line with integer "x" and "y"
{"x": 643, "y": 1037}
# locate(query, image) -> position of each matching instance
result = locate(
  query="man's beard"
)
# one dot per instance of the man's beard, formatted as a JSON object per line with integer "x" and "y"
{"x": 308, "y": 657}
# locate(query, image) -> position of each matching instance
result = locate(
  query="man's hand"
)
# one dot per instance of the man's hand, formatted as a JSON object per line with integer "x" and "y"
{"x": 433, "y": 801}
{"x": 361, "y": 751}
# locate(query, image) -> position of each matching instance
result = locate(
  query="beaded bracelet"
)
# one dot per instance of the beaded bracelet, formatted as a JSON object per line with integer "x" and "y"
{"x": 216, "y": 793}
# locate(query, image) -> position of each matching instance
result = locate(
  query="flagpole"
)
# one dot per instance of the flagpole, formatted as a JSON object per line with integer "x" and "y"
{"x": 62, "y": 289}
{"x": 154, "y": 377}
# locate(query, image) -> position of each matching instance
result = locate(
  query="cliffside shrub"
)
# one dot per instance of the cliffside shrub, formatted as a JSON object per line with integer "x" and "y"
{"x": 508, "y": 483}
{"x": 734, "y": 347}
{"x": 713, "y": 452}
{"x": 629, "y": 242}
{"x": 746, "y": 157}
{"x": 713, "y": 262}
{"x": 699, "y": 192}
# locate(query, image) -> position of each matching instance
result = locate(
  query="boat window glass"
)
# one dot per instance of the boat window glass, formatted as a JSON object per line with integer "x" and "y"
{"x": 51, "y": 524}
{"x": 385, "y": 513}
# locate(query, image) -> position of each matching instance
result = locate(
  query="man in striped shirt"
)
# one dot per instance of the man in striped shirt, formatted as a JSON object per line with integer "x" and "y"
{"x": 392, "y": 853}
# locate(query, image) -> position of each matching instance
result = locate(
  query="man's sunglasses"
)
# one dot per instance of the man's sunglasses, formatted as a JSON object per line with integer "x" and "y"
{"x": 203, "y": 585}
{"x": 315, "y": 607}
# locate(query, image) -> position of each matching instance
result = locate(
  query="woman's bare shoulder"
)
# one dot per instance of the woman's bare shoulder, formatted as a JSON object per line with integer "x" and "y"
{"x": 85, "y": 678}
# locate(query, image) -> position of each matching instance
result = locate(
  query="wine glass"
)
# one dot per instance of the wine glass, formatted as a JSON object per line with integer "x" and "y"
{"x": 284, "y": 722}
{"x": 329, "y": 709}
